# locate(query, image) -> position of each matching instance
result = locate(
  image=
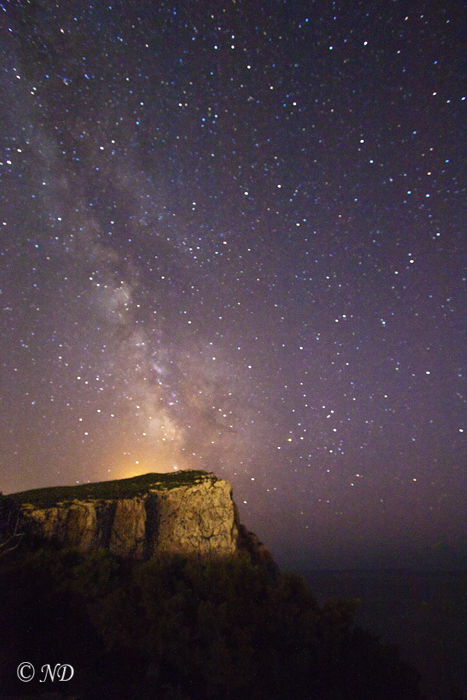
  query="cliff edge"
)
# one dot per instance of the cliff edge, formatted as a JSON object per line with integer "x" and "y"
{"x": 186, "y": 512}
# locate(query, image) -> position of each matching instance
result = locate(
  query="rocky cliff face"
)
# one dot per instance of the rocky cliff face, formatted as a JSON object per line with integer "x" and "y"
{"x": 179, "y": 513}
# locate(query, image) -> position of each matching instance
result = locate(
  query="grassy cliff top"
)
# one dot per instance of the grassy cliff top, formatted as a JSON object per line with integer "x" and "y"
{"x": 108, "y": 490}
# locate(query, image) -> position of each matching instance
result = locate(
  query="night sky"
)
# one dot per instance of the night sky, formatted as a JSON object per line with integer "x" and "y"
{"x": 233, "y": 238}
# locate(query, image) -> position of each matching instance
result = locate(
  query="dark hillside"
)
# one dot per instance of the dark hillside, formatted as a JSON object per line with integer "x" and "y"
{"x": 181, "y": 629}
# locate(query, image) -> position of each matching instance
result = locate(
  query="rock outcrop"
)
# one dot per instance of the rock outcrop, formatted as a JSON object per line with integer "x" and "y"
{"x": 191, "y": 513}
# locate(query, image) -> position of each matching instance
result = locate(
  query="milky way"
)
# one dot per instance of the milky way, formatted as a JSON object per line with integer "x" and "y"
{"x": 233, "y": 239}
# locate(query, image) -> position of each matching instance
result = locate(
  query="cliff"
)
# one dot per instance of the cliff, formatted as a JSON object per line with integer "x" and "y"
{"x": 187, "y": 512}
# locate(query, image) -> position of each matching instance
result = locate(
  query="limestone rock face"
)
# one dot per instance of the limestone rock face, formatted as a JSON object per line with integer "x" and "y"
{"x": 128, "y": 528}
{"x": 194, "y": 518}
{"x": 198, "y": 519}
{"x": 75, "y": 524}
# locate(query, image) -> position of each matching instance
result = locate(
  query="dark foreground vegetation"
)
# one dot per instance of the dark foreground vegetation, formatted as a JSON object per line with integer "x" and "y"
{"x": 184, "y": 630}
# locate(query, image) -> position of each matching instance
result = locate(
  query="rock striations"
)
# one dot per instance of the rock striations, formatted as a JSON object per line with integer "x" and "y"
{"x": 189, "y": 512}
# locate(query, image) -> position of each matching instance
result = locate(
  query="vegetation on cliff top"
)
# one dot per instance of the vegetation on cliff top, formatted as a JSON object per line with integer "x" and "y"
{"x": 108, "y": 490}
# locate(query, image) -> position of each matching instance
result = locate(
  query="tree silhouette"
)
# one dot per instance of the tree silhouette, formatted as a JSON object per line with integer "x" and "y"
{"x": 11, "y": 525}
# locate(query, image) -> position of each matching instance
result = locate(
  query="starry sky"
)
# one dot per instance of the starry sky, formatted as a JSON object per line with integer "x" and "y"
{"x": 232, "y": 238}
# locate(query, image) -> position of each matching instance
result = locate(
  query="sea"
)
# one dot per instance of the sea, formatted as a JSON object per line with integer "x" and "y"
{"x": 423, "y": 612}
